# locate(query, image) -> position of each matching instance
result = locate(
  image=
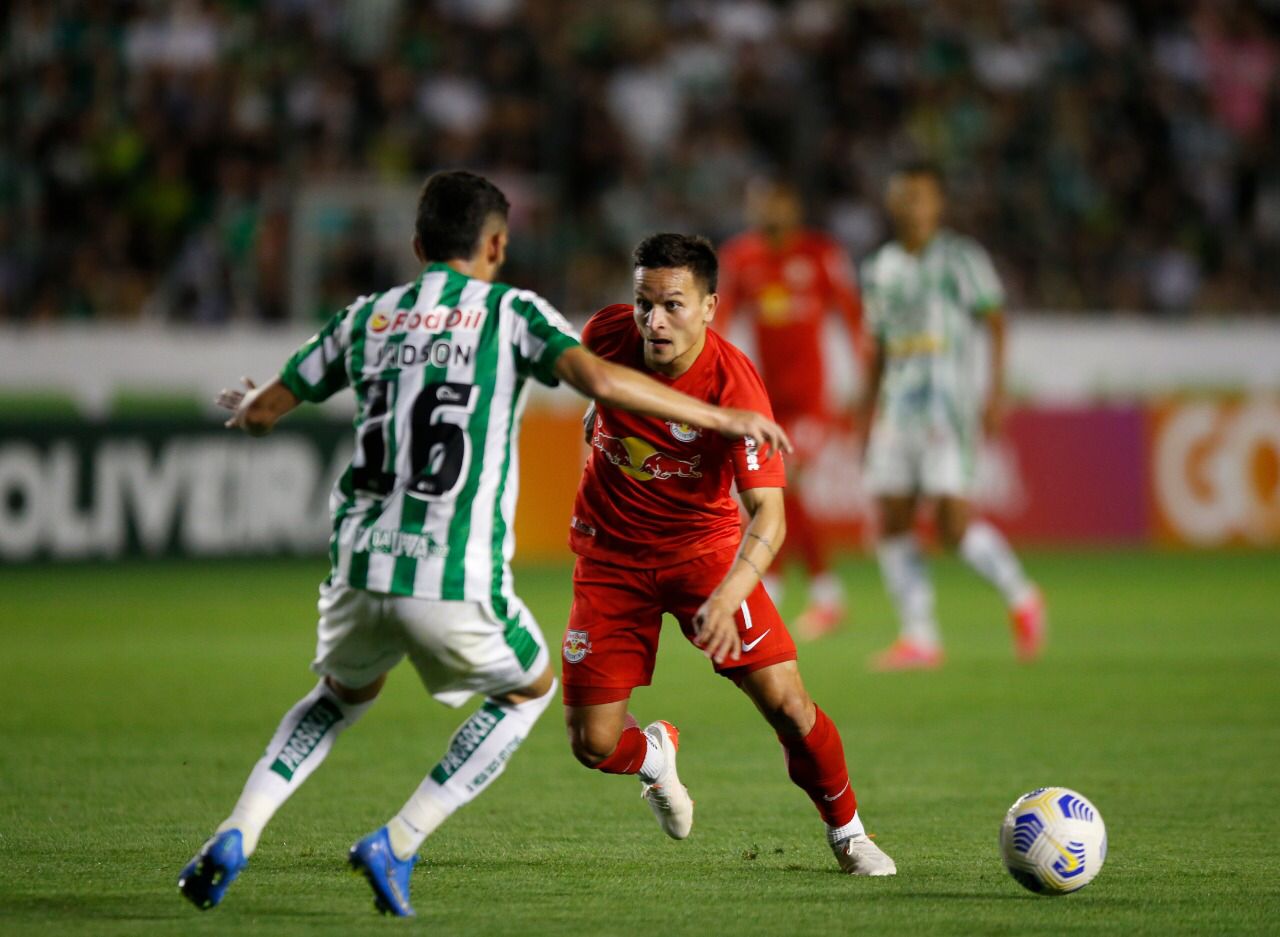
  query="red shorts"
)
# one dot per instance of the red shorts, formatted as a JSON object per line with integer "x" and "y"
{"x": 612, "y": 640}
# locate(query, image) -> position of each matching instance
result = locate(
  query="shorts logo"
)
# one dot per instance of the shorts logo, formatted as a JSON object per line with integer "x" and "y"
{"x": 683, "y": 431}
{"x": 576, "y": 646}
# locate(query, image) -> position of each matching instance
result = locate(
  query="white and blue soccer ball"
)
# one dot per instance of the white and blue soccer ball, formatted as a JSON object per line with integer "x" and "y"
{"x": 1053, "y": 841}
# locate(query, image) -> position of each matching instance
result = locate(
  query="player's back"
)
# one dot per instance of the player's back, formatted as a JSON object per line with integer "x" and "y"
{"x": 656, "y": 493}
{"x": 439, "y": 367}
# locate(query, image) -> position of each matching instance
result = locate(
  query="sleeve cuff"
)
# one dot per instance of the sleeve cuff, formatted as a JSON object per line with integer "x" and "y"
{"x": 557, "y": 345}
{"x": 296, "y": 385}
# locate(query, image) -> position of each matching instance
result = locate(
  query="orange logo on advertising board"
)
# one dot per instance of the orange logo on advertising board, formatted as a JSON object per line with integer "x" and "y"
{"x": 1216, "y": 471}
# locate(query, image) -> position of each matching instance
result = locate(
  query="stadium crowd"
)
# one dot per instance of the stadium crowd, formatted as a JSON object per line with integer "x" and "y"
{"x": 1113, "y": 155}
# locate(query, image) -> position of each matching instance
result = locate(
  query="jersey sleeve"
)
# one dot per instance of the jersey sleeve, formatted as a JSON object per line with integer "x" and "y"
{"x": 318, "y": 369}
{"x": 982, "y": 288}
{"x": 542, "y": 335}
{"x": 744, "y": 390}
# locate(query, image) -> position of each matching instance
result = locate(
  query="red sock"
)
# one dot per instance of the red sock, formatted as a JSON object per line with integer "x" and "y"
{"x": 628, "y": 756}
{"x": 816, "y": 765}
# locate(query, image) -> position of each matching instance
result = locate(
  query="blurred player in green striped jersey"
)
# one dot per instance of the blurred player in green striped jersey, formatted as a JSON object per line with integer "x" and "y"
{"x": 927, "y": 295}
{"x": 422, "y": 521}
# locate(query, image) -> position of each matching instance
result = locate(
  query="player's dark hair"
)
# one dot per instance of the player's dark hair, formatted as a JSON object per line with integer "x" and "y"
{"x": 672, "y": 251}
{"x": 452, "y": 211}
{"x": 923, "y": 167}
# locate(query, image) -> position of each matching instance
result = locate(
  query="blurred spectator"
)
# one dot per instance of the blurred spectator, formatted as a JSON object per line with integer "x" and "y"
{"x": 1114, "y": 155}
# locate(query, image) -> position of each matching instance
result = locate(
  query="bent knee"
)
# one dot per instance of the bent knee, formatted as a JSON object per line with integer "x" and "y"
{"x": 591, "y": 745}
{"x": 793, "y": 714}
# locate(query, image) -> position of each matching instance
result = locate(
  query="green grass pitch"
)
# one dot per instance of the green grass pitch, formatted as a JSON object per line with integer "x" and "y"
{"x": 134, "y": 699}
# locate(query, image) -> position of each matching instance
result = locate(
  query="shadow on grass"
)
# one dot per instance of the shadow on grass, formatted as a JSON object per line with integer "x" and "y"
{"x": 142, "y": 907}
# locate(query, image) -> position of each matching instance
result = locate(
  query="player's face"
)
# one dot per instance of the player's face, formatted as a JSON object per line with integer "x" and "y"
{"x": 774, "y": 209}
{"x": 672, "y": 311}
{"x": 915, "y": 203}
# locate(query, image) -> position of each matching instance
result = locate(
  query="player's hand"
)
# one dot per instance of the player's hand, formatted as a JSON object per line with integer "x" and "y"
{"x": 768, "y": 435}
{"x": 239, "y": 402}
{"x": 993, "y": 416}
{"x": 715, "y": 631}
{"x": 589, "y": 423}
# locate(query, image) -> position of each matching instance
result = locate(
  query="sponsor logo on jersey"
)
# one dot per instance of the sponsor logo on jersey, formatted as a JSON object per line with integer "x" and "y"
{"x": 641, "y": 460}
{"x": 753, "y": 454}
{"x": 576, "y": 646}
{"x": 683, "y": 431}
{"x": 399, "y": 543}
{"x": 435, "y": 320}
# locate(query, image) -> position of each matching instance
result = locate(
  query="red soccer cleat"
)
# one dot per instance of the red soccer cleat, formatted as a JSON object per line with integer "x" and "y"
{"x": 907, "y": 655}
{"x": 819, "y": 620}
{"x": 1029, "y": 627}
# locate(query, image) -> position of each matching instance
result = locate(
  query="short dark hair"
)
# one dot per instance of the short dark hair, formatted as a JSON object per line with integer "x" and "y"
{"x": 923, "y": 167}
{"x": 452, "y": 210}
{"x": 680, "y": 250}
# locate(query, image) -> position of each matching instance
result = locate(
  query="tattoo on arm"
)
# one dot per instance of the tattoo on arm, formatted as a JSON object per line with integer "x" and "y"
{"x": 746, "y": 559}
{"x": 768, "y": 544}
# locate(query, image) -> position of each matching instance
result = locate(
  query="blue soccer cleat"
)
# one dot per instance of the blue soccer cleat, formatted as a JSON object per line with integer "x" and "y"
{"x": 388, "y": 876}
{"x": 208, "y": 876}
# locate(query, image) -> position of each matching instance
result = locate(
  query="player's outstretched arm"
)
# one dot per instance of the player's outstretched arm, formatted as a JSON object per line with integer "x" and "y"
{"x": 716, "y": 631}
{"x": 628, "y": 389}
{"x": 256, "y": 410}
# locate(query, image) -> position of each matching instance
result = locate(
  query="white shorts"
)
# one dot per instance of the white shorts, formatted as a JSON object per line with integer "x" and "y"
{"x": 458, "y": 648}
{"x": 934, "y": 460}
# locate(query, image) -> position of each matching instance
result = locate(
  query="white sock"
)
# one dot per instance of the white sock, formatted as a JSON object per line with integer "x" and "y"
{"x": 985, "y": 549}
{"x": 837, "y": 833}
{"x": 907, "y": 581}
{"x": 477, "y": 753}
{"x": 300, "y": 744}
{"x": 655, "y": 761}
{"x": 826, "y": 589}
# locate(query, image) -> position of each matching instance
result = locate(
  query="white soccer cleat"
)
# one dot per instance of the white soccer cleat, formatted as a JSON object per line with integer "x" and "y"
{"x": 668, "y": 798}
{"x": 858, "y": 855}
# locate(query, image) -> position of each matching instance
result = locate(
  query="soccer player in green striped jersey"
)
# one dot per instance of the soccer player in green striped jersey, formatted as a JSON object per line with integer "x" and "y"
{"x": 926, "y": 296}
{"x": 422, "y": 521}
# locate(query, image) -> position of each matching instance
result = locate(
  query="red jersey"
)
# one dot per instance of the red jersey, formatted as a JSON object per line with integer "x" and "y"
{"x": 657, "y": 493}
{"x": 787, "y": 292}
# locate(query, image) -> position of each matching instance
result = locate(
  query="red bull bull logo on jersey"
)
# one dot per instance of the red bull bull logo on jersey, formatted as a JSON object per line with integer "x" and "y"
{"x": 641, "y": 460}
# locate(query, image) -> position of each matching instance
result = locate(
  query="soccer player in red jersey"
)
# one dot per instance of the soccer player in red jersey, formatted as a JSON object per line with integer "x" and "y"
{"x": 786, "y": 279}
{"x": 656, "y": 530}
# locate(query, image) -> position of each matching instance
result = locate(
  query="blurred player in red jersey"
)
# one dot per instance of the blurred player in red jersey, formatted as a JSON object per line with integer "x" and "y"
{"x": 786, "y": 279}
{"x": 656, "y": 530}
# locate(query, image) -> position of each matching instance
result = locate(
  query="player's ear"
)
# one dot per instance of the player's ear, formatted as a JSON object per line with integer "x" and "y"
{"x": 496, "y": 248}
{"x": 710, "y": 303}
{"x": 417, "y": 249}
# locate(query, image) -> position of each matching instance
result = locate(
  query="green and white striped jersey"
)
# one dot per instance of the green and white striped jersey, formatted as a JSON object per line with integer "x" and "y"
{"x": 924, "y": 310}
{"x": 440, "y": 369}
